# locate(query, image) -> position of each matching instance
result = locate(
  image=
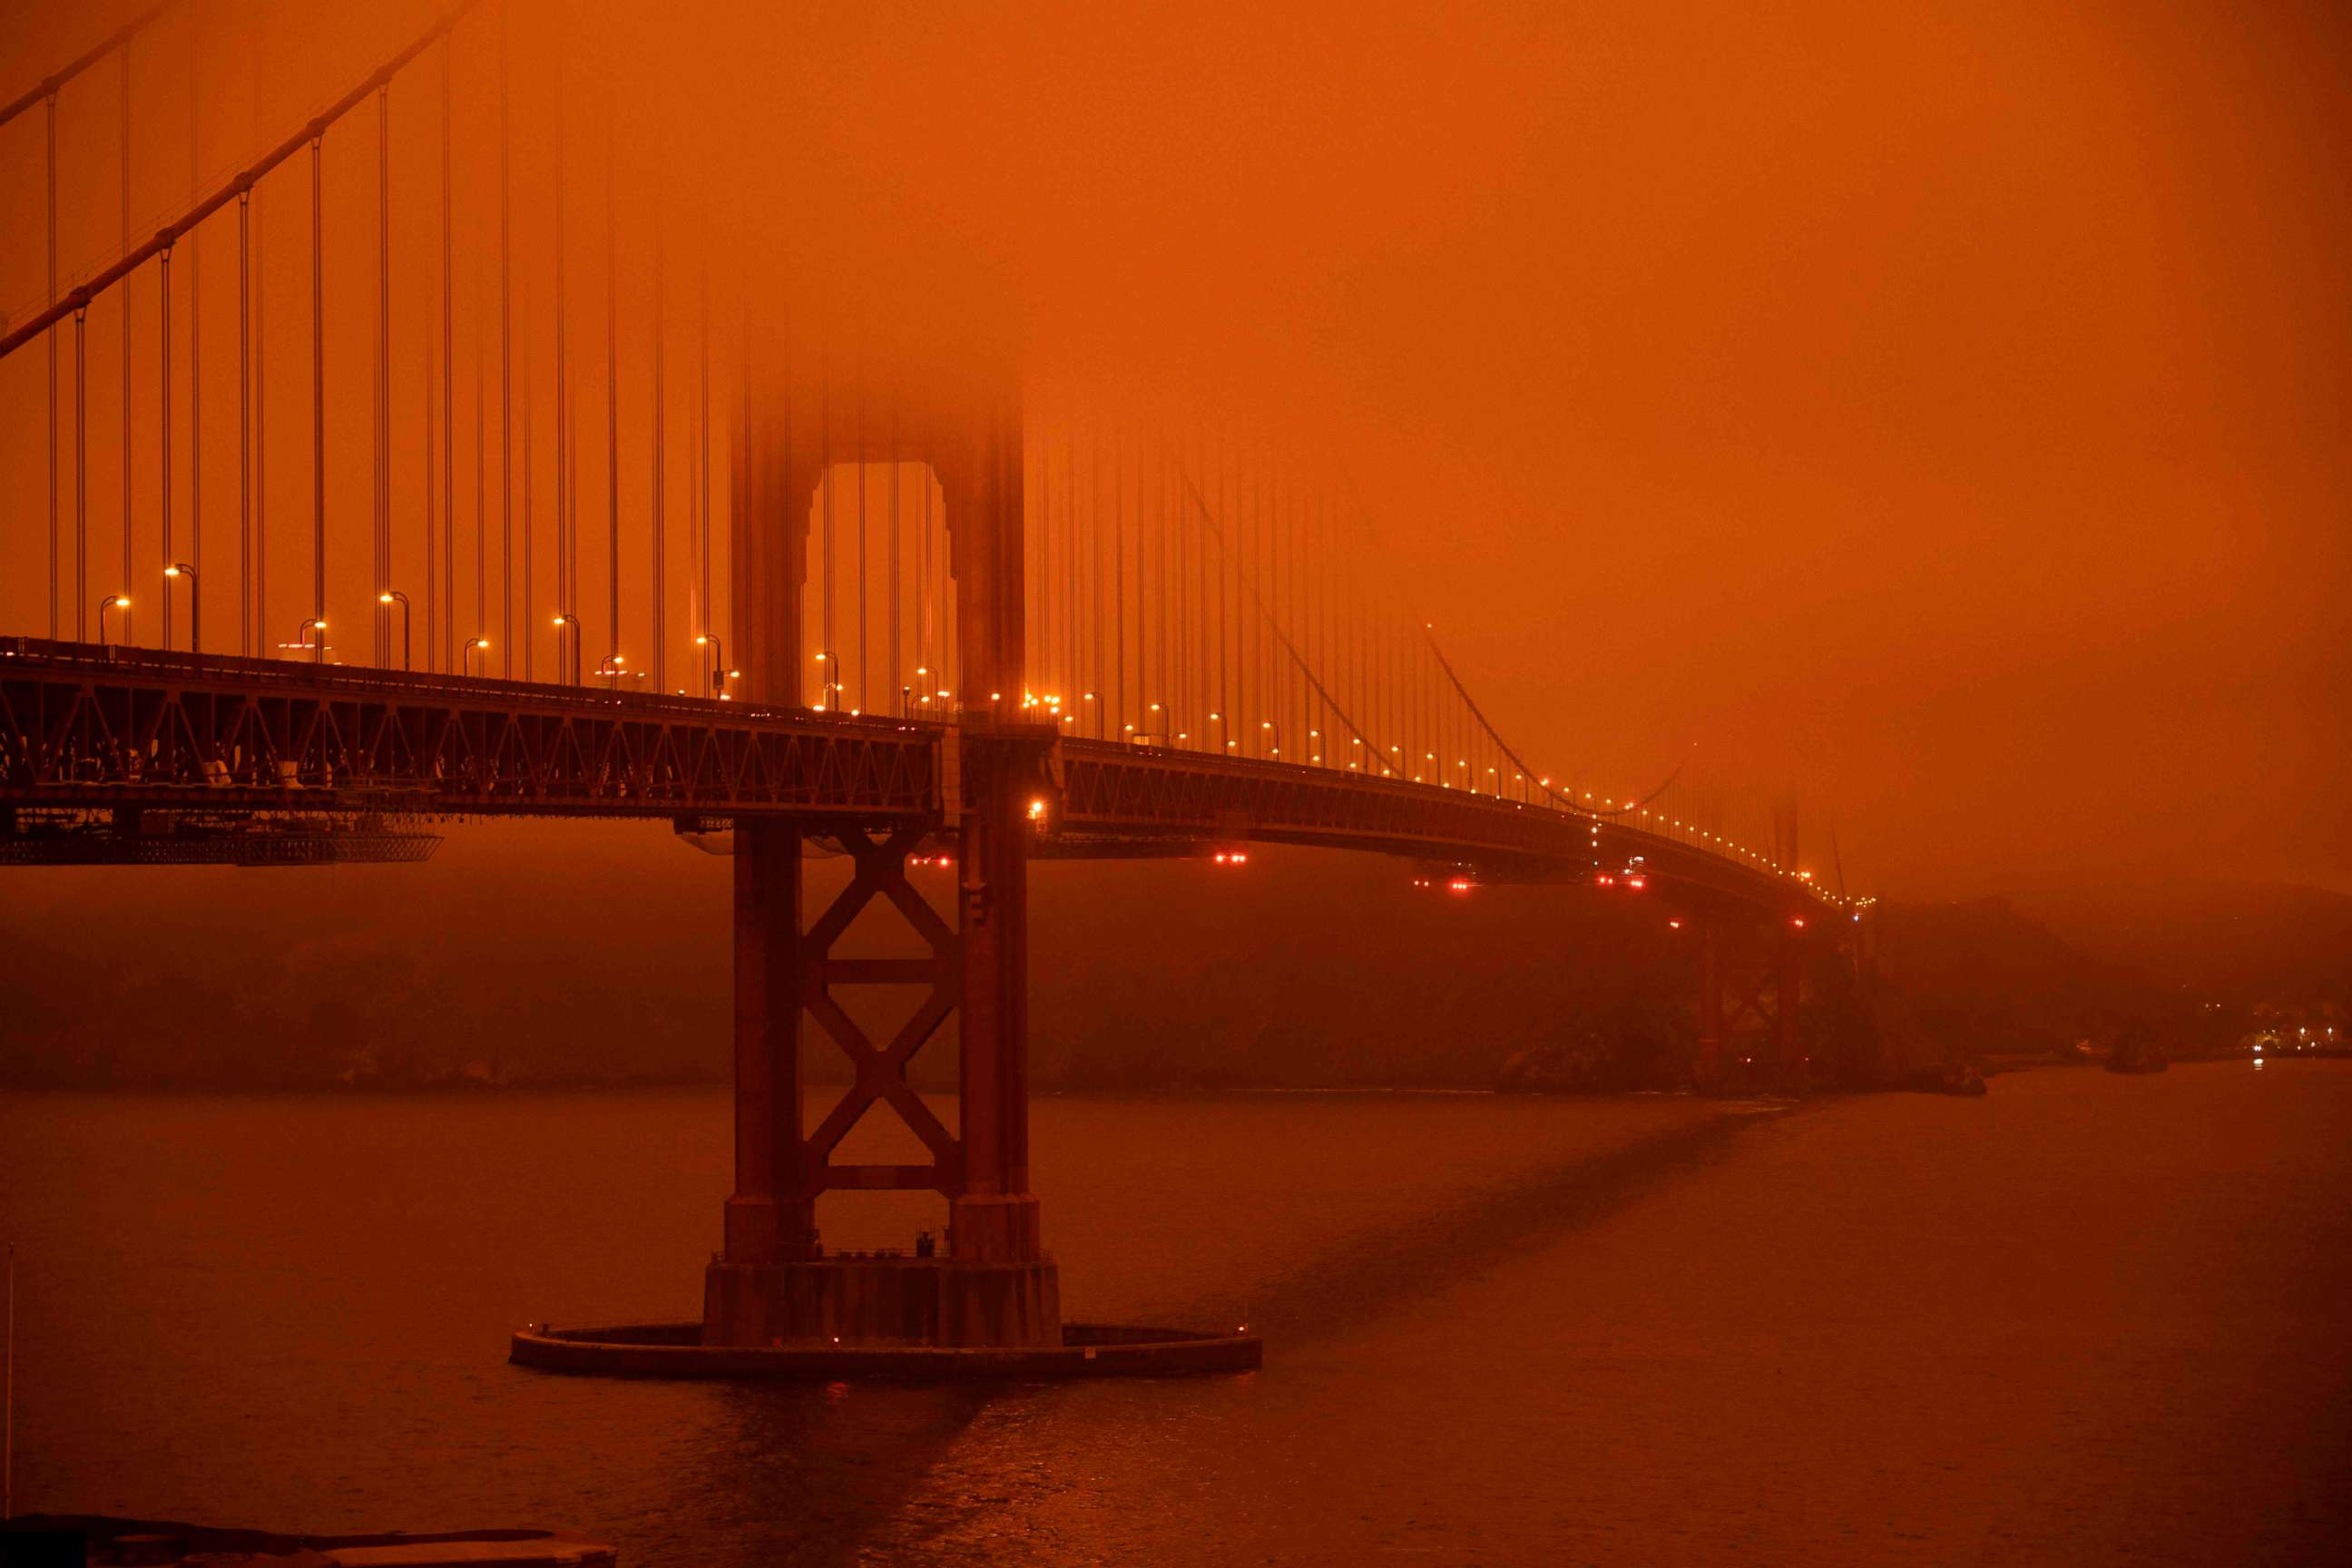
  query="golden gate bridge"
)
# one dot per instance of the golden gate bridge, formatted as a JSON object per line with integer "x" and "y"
{"x": 832, "y": 587}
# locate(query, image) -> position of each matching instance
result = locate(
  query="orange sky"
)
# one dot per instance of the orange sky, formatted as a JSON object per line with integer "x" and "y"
{"x": 1941, "y": 411}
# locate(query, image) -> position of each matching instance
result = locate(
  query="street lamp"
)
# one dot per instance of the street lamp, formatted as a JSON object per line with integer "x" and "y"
{"x": 829, "y": 689}
{"x": 571, "y": 623}
{"x": 195, "y": 604}
{"x": 111, "y": 602}
{"x": 466, "y": 657}
{"x": 314, "y": 630}
{"x": 609, "y": 668}
{"x": 394, "y": 596}
{"x": 718, "y": 662}
{"x": 1266, "y": 728}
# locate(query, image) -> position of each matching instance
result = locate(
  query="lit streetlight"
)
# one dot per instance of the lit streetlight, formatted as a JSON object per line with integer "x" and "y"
{"x": 111, "y": 602}
{"x": 388, "y": 598}
{"x": 195, "y": 604}
{"x": 466, "y": 656}
{"x": 313, "y": 632}
{"x": 718, "y": 662}
{"x": 568, "y": 621}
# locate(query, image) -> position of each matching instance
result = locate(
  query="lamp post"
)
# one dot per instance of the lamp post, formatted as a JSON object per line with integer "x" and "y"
{"x": 394, "y": 596}
{"x": 195, "y": 604}
{"x": 1268, "y": 729}
{"x": 828, "y": 690}
{"x": 718, "y": 662}
{"x": 466, "y": 656}
{"x": 314, "y": 630}
{"x": 111, "y": 602}
{"x": 571, "y": 623}
{"x": 1090, "y": 697}
{"x": 609, "y": 668}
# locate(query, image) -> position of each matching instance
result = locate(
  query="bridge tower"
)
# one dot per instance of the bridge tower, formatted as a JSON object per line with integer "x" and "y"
{"x": 774, "y": 1283}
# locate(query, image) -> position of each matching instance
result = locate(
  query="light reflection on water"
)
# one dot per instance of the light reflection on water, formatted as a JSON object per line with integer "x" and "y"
{"x": 2085, "y": 1316}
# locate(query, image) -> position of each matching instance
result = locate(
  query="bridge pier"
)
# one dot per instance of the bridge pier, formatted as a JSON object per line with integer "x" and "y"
{"x": 774, "y": 1284}
{"x": 771, "y": 1214}
{"x": 1751, "y": 1004}
{"x": 1788, "y": 1049}
{"x": 1710, "y": 1004}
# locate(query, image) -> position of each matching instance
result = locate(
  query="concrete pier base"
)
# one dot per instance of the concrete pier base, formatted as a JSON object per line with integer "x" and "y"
{"x": 878, "y": 1302}
{"x": 1088, "y": 1350}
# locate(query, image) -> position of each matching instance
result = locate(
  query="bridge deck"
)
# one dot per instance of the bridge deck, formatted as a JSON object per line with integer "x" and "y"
{"x": 84, "y": 727}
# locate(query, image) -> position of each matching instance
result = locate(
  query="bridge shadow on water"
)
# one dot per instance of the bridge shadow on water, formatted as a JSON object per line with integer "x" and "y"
{"x": 1370, "y": 1274}
{"x": 786, "y": 1472}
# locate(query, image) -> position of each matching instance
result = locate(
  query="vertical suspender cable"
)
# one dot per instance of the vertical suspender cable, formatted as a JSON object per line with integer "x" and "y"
{"x": 660, "y": 499}
{"x": 612, "y": 366}
{"x": 481, "y": 465}
{"x": 1171, "y": 586}
{"x": 857, "y": 427}
{"x": 1224, "y": 619}
{"x": 448, "y": 386}
{"x": 1123, "y": 727}
{"x": 432, "y": 568}
{"x": 124, "y": 98}
{"x": 1040, "y": 605}
{"x": 1201, "y": 594}
{"x": 1095, "y": 603}
{"x": 261, "y": 434}
{"x": 82, "y": 467}
{"x": 924, "y": 670}
{"x": 318, "y": 404}
{"x": 52, "y": 336}
{"x": 1254, "y": 693}
{"x": 196, "y": 347}
{"x": 245, "y": 423}
{"x": 382, "y": 501}
{"x": 828, "y": 651}
{"x": 564, "y": 470}
{"x": 703, "y": 311}
{"x": 895, "y": 692}
{"x": 529, "y": 576}
{"x": 163, "y": 355}
{"x": 506, "y": 348}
